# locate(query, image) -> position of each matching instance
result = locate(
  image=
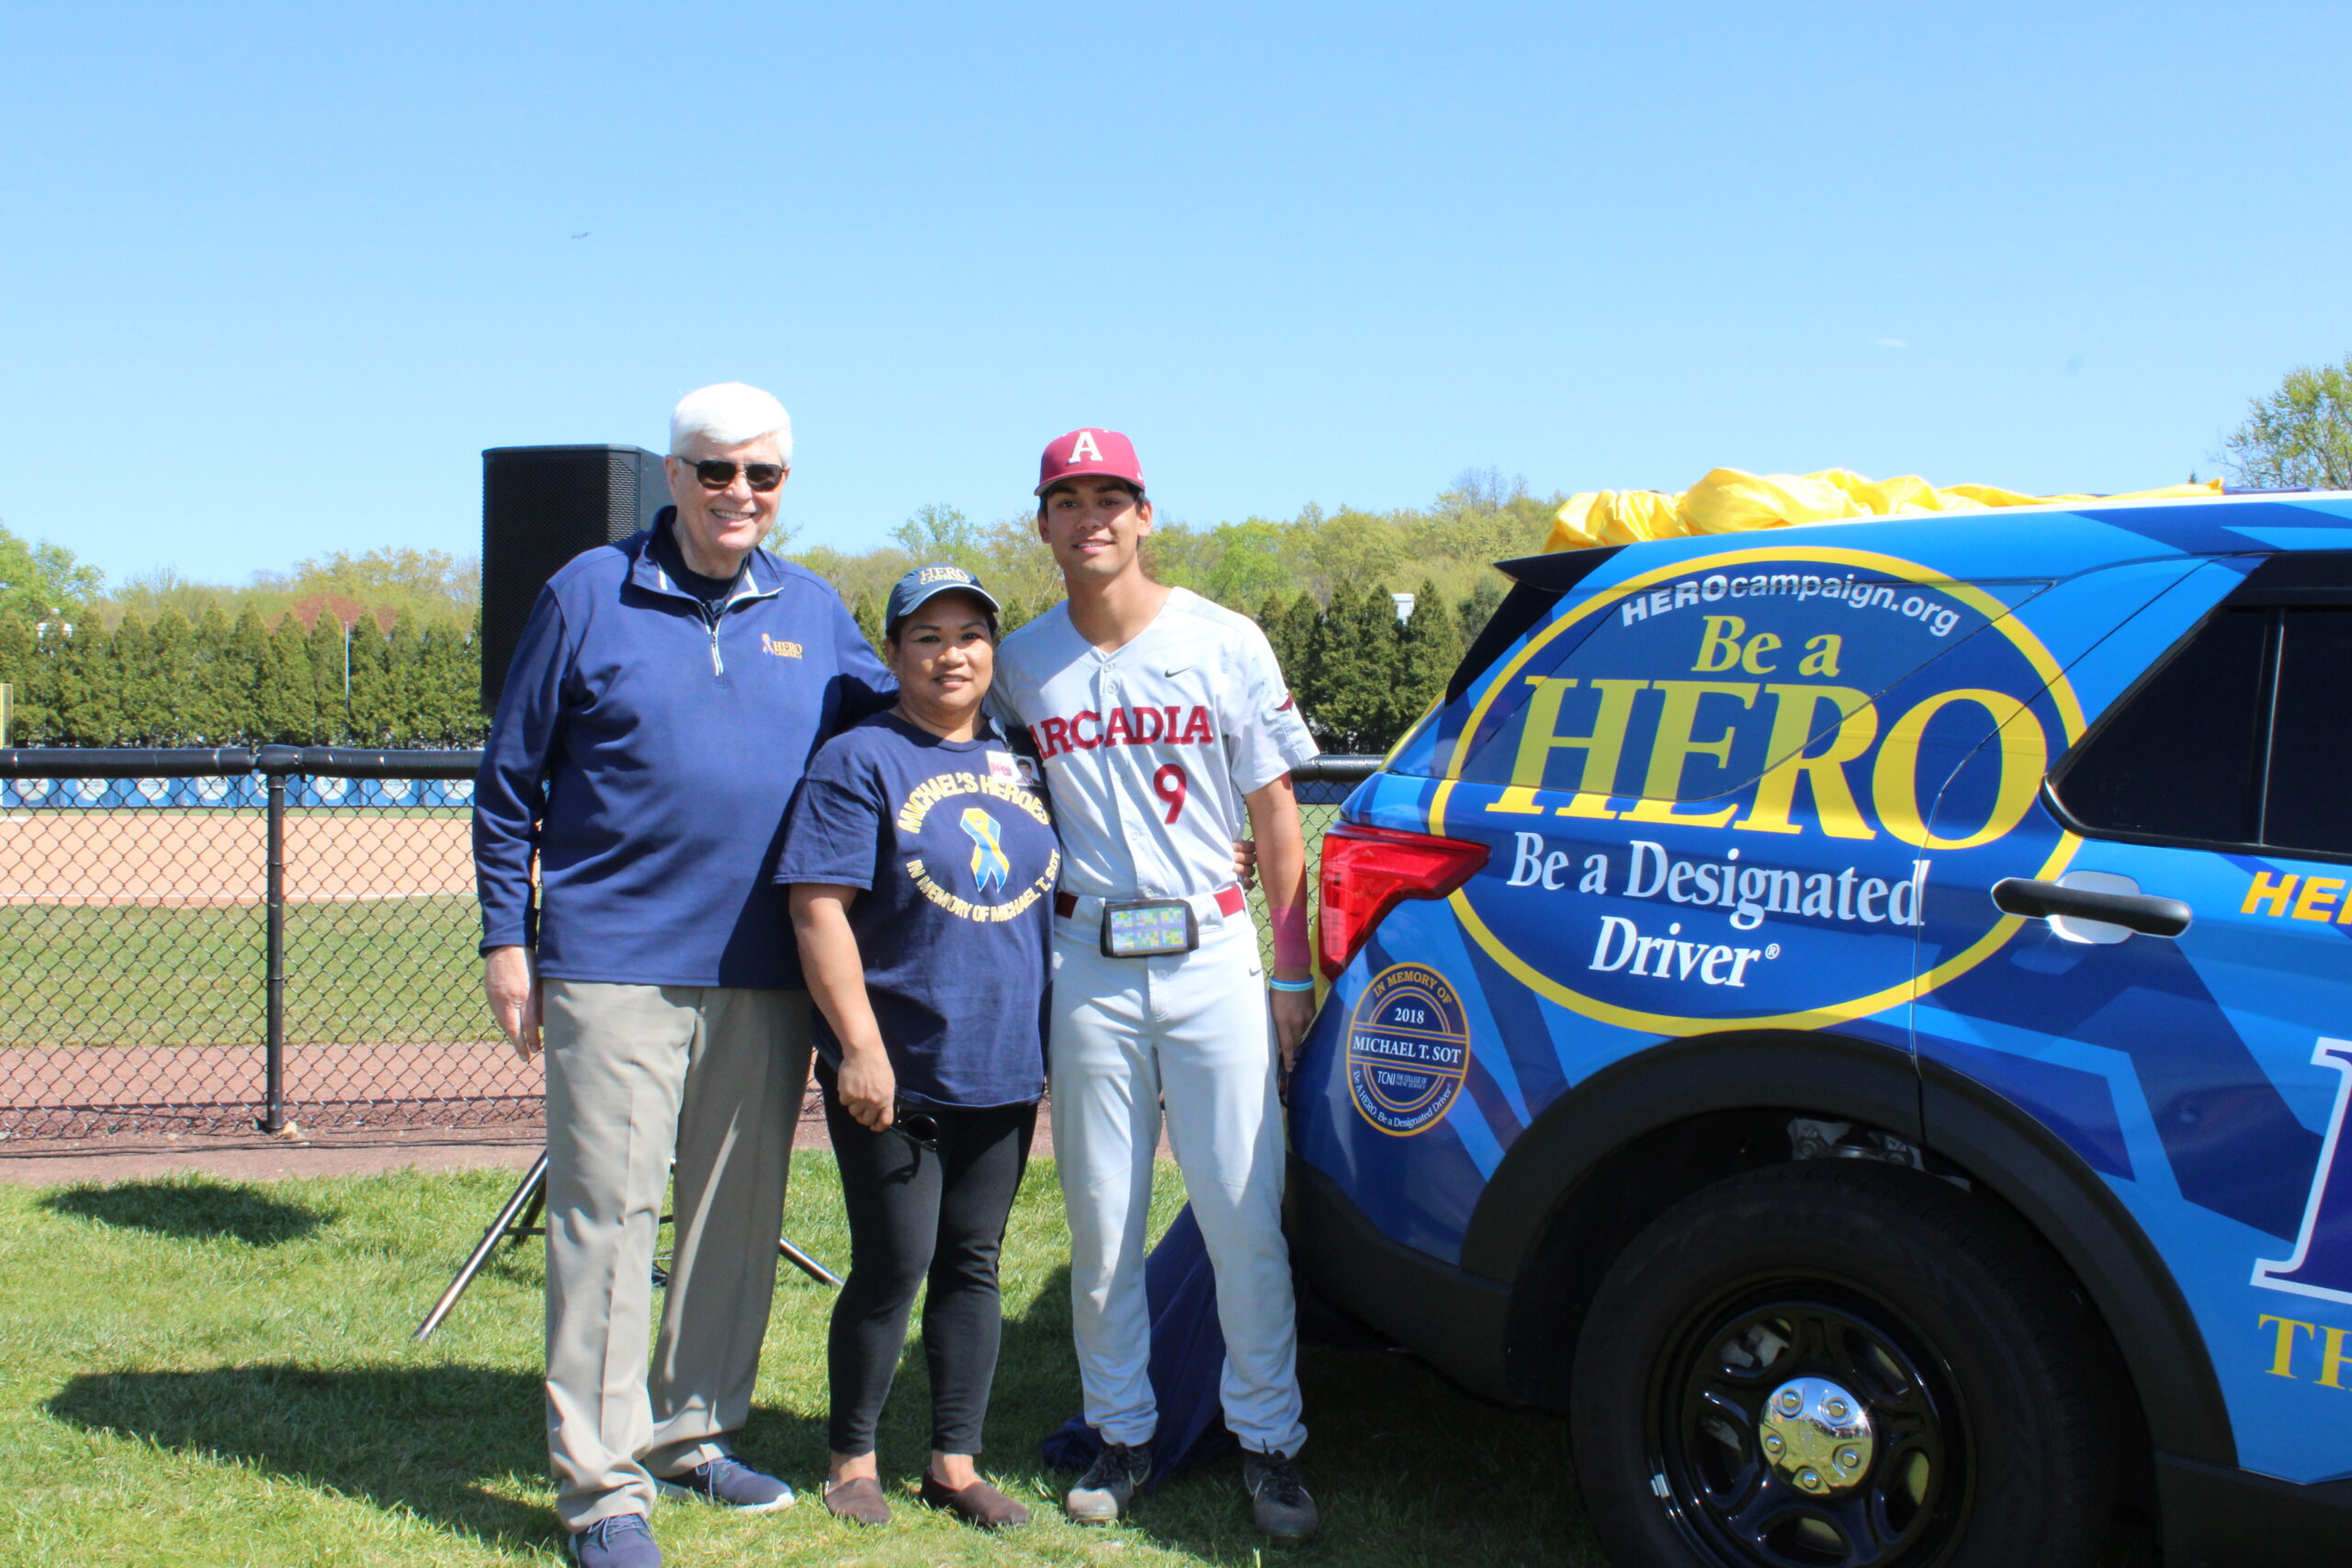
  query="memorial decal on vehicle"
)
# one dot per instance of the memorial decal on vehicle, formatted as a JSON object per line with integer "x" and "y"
{"x": 1409, "y": 1049}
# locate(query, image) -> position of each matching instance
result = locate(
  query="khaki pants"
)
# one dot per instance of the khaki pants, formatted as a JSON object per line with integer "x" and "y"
{"x": 636, "y": 1073}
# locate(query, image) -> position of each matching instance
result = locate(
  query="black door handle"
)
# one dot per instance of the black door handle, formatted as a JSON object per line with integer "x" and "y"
{"x": 2142, "y": 912}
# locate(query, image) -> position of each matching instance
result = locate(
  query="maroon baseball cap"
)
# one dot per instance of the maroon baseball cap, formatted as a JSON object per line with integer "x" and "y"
{"x": 1089, "y": 451}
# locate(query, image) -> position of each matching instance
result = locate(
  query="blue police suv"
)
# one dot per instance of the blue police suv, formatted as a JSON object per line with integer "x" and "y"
{"x": 1858, "y": 1017}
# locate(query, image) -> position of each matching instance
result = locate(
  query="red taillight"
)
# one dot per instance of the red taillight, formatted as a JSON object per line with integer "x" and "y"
{"x": 1368, "y": 871}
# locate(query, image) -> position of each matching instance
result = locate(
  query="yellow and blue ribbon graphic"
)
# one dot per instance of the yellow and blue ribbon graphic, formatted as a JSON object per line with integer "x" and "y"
{"x": 989, "y": 867}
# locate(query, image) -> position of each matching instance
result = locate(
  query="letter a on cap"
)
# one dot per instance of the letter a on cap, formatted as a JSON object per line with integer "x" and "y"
{"x": 1089, "y": 450}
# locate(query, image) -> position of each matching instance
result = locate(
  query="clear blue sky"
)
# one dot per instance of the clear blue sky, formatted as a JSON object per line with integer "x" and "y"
{"x": 274, "y": 275}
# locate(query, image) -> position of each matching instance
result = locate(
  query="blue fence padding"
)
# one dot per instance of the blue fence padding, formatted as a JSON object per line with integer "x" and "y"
{"x": 348, "y": 776}
{"x": 233, "y": 792}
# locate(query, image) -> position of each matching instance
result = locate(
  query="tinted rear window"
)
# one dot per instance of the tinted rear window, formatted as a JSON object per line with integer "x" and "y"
{"x": 2310, "y": 750}
{"x": 2181, "y": 760}
{"x": 2243, "y": 735}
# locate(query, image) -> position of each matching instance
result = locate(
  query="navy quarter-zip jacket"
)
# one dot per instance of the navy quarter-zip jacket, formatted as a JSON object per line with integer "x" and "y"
{"x": 648, "y": 747}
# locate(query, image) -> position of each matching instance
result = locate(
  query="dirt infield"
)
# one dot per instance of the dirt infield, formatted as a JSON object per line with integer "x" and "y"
{"x": 198, "y": 858}
{"x": 243, "y": 1154}
{"x": 251, "y": 1157}
{"x": 69, "y": 1090}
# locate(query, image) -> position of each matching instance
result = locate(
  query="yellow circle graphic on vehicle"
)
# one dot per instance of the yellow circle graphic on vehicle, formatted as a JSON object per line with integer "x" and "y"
{"x": 1409, "y": 1049}
{"x": 1733, "y": 790}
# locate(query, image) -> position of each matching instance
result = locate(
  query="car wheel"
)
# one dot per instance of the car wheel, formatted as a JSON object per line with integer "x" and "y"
{"x": 1840, "y": 1364}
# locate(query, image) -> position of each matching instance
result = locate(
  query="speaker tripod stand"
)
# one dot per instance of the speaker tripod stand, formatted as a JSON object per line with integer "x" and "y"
{"x": 519, "y": 1219}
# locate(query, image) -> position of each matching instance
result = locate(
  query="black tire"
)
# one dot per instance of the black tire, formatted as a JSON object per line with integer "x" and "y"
{"x": 1947, "y": 1321}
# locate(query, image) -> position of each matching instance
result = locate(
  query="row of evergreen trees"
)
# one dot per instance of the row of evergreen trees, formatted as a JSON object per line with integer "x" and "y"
{"x": 1359, "y": 675}
{"x": 221, "y": 682}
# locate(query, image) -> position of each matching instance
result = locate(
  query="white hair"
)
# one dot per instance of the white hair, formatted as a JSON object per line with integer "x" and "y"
{"x": 729, "y": 414}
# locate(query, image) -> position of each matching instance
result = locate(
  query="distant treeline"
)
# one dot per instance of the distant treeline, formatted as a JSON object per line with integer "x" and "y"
{"x": 1451, "y": 543}
{"x": 429, "y": 586}
{"x": 1359, "y": 675}
{"x": 165, "y": 661}
{"x": 221, "y": 682}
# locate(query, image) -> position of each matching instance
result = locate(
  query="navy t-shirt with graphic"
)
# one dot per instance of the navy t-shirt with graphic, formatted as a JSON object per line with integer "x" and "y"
{"x": 951, "y": 845}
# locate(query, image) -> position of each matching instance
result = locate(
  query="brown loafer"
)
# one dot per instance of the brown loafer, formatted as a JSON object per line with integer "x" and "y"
{"x": 979, "y": 1503}
{"x": 858, "y": 1500}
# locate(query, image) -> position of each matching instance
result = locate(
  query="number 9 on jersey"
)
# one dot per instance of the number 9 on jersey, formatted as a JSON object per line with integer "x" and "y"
{"x": 1170, "y": 783}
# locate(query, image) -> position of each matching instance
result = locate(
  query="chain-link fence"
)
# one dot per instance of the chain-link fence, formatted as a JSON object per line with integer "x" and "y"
{"x": 212, "y": 940}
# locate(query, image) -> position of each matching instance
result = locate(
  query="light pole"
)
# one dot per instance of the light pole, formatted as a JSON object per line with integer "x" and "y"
{"x": 7, "y": 693}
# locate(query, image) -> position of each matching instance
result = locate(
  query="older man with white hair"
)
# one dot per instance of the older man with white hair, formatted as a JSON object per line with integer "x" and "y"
{"x": 666, "y": 695}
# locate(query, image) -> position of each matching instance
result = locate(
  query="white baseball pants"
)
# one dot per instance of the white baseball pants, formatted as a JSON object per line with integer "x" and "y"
{"x": 1191, "y": 1032}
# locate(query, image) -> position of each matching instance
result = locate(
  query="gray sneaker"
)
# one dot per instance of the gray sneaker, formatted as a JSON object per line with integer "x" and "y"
{"x": 616, "y": 1541}
{"x": 728, "y": 1482}
{"x": 1108, "y": 1484}
{"x": 1278, "y": 1499}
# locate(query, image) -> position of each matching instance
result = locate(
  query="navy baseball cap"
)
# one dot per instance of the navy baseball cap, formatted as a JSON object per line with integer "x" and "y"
{"x": 908, "y": 592}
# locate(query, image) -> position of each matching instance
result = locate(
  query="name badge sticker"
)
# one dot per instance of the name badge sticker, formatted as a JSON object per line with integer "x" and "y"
{"x": 1149, "y": 927}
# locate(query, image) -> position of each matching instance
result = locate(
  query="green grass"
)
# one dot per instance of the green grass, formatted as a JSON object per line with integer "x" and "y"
{"x": 107, "y": 975}
{"x": 200, "y": 1373}
{"x": 401, "y": 969}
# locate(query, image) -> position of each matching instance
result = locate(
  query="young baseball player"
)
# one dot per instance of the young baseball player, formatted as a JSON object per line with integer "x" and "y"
{"x": 1163, "y": 722}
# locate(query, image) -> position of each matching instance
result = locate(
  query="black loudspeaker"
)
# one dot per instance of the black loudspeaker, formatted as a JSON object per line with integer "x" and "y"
{"x": 541, "y": 506}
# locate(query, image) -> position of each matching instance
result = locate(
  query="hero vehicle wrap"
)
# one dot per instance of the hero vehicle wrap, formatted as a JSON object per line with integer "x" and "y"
{"x": 1999, "y": 866}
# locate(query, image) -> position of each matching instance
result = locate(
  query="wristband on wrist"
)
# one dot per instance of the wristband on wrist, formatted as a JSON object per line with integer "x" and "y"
{"x": 1288, "y": 924}
{"x": 1290, "y": 985}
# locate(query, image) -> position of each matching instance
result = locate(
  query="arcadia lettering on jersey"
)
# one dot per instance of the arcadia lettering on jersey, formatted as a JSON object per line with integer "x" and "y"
{"x": 1086, "y": 730}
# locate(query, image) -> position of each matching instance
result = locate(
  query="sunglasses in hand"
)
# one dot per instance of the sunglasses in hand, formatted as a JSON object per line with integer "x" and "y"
{"x": 919, "y": 1128}
{"x": 717, "y": 473}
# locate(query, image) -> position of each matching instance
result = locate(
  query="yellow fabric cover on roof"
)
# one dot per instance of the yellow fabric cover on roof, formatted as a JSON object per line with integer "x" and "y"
{"x": 1731, "y": 501}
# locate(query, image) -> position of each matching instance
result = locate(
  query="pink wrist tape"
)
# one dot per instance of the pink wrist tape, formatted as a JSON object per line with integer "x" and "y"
{"x": 1291, "y": 950}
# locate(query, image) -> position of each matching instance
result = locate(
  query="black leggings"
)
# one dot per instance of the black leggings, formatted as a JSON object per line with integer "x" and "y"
{"x": 915, "y": 1212}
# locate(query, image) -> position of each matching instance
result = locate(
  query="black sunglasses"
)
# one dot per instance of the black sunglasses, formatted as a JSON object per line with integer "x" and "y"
{"x": 717, "y": 473}
{"x": 919, "y": 1128}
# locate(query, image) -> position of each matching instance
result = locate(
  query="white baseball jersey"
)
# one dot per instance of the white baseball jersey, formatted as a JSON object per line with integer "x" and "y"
{"x": 1148, "y": 751}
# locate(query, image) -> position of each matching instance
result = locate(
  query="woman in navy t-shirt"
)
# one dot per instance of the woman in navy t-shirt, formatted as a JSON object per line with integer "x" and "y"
{"x": 922, "y": 862}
